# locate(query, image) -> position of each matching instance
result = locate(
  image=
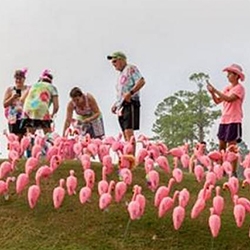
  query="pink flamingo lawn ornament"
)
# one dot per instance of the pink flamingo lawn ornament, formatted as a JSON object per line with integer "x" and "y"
{"x": 184, "y": 197}
{"x": 106, "y": 198}
{"x": 162, "y": 161}
{"x": 21, "y": 182}
{"x": 89, "y": 177}
{"x": 141, "y": 199}
{"x": 218, "y": 202}
{"x": 178, "y": 216}
{"x": 59, "y": 194}
{"x": 85, "y": 194}
{"x": 125, "y": 175}
{"x": 71, "y": 183}
{"x": 34, "y": 192}
{"x": 31, "y": 164}
{"x": 214, "y": 223}
{"x": 120, "y": 190}
{"x": 166, "y": 204}
{"x": 153, "y": 179}
{"x": 239, "y": 213}
{"x": 243, "y": 201}
{"x": 162, "y": 192}
{"x": 103, "y": 185}
{"x": 4, "y": 186}
{"x": 199, "y": 173}
{"x": 5, "y": 168}
{"x": 134, "y": 206}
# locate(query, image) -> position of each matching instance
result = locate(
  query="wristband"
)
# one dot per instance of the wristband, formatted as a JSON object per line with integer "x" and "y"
{"x": 131, "y": 92}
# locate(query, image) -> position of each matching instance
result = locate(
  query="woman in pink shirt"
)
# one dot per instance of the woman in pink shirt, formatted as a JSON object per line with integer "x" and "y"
{"x": 230, "y": 129}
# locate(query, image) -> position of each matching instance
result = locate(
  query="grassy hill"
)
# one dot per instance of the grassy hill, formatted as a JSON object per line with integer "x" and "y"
{"x": 85, "y": 227}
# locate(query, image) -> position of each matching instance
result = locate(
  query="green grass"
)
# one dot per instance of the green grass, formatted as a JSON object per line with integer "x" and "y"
{"x": 84, "y": 227}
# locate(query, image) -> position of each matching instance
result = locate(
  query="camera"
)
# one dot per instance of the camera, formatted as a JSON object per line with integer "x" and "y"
{"x": 18, "y": 92}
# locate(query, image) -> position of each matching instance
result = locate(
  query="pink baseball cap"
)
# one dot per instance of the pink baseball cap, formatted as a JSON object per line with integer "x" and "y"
{"x": 235, "y": 68}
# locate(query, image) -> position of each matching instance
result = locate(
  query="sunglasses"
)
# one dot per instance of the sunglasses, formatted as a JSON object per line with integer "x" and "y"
{"x": 114, "y": 61}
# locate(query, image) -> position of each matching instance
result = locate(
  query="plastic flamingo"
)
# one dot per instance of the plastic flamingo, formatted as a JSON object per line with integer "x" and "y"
{"x": 55, "y": 162}
{"x": 134, "y": 206}
{"x": 239, "y": 214}
{"x": 5, "y": 168}
{"x": 232, "y": 185}
{"x": 85, "y": 161}
{"x": 4, "y": 186}
{"x": 218, "y": 202}
{"x": 148, "y": 164}
{"x": 107, "y": 162}
{"x": 129, "y": 147}
{"x": 162, "y": 148}
{"x": 162, "y": 161}
{"x": 211, "y": 178}
{"x": 36, "y": 151}
{"x": 206, "y": 191}
{"x": 162, "y": 192}
{"x": 218, "y": 170}
{"x": 153, "y": 180}
{"x": 71, "y": 183}
{"x": 43, "y": 172}
{"x": 185, "y": 159}
{"x": 214, "y": 223}
{"x": 102, "y": 151}
{"x": 199, "y": 172}
{"x": 89, "y": 177}
{"x": 59, "y": 194}
{"x": 227, "y": 167}
{"x": 24, "y": 144}
{"x": 177, "y": 174}
{"x": 34, "y": 192}
{"x": 243, "y": 201}
{"x": 21, "y": 182}
{"x": 120, "y": 190}
{"x": 125, "y": 175}
{"x": 103, "y": 185}
{"x": 198, "y": 207}
{"x": 178, "y": 216}
{"x": 141, "y": 155}
{"x": 85, "y": 194}
{"x": 166, "y": 204}
{"x": 141, "y": 200}
{"x": 31, "y": 164}
{"x": 246, "y": 174}
{"x": 183, "y": 197}
{"x": 215, "y": 155}
{"x": 176, "y": 152}
{"x": 106, "y": 198}
{"x": 77, "y": 148}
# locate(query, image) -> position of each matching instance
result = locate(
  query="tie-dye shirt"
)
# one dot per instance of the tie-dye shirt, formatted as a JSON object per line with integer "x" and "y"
{"x": 38, "y": 101}
{"x": 126, "y": 81}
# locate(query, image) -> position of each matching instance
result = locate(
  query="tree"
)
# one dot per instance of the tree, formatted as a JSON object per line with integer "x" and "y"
{"x": 186, "y": 116}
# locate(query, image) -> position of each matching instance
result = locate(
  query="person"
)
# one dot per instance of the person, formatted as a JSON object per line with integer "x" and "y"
{"x": 36, "y": 109}
{"x": 232, "y": 97}
{"x": 88, "y": 115}
{"x": 127, "y": 105}
{"x": 13, "y": 103}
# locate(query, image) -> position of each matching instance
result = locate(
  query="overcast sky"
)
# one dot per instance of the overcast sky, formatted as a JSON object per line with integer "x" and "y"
{"x": 168, "y": 40}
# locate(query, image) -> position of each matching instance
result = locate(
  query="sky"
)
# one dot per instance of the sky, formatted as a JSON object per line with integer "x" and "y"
{"x": 168, "y": 40}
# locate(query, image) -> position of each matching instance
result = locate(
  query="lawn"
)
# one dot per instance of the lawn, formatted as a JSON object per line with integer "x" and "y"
{"x": 85, "y": 227}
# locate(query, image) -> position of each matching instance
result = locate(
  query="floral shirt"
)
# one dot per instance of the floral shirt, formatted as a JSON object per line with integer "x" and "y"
{"x": 38, "y": 101}
{"x": 14, "y": 111}
{"x": 126, "y": 81}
